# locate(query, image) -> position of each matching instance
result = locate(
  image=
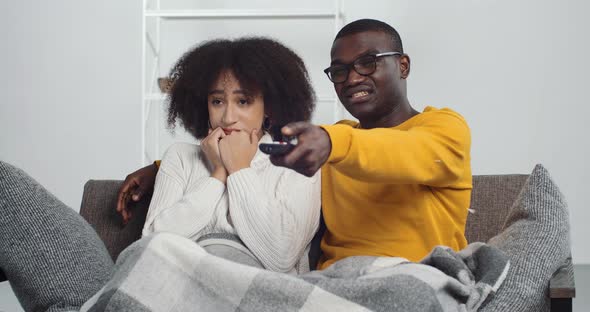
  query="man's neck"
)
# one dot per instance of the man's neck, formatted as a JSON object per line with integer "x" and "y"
{"x": 397, "y": 116}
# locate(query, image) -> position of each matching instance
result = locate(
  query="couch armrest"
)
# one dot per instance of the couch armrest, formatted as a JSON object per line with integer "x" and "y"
{"x": 562, "y": 287}
{"x": 562, "y": 284}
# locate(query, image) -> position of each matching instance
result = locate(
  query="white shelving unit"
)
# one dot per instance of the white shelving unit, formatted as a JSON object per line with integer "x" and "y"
{"x": 228, "y": 13}
{"x": 152, "y": 40}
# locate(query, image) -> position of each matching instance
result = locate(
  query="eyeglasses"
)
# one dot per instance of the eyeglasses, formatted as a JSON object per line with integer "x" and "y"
{"x": 364, "y": 65}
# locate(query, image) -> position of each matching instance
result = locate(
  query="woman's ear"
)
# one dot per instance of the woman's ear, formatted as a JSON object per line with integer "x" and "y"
{"x": 266, "y": 123}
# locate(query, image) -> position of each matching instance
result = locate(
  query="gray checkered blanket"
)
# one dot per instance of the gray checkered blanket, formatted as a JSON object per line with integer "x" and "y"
{"x": 166, "y": 272}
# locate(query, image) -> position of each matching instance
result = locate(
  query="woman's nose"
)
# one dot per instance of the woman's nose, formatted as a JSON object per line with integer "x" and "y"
{"x": 229, "y": 115}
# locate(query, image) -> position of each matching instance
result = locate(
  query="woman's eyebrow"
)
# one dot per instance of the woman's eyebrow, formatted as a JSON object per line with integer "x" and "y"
{"x": 217, "y": 91}
{"x": 239, "y": 91}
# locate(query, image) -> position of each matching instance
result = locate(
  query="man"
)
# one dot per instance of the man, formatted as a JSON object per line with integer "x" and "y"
{"x": 396, "y": 183}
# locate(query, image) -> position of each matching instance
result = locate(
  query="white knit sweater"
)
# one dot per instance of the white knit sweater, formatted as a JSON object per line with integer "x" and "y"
{"x": 274, "y": 210}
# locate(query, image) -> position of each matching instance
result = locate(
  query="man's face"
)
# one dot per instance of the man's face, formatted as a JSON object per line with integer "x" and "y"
{"x": 376, "y": 95}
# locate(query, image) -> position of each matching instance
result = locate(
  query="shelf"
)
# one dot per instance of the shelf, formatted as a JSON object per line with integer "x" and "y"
{"x": 240, "y": 13}
{"x": 163, "y": 96}
{"x": 156, "y": 96}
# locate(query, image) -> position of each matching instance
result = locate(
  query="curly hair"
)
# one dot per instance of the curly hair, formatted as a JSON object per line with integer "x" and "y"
{"x": 261, "y": 65}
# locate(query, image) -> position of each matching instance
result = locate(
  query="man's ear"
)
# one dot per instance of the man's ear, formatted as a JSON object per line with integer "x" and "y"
{"x": 404, "y": 64}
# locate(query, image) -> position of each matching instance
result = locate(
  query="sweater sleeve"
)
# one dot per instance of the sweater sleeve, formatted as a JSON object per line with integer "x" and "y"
{"x": 434, "y": 152}
{"x": 181, "y": 205}
{"x": 276, "y": 224}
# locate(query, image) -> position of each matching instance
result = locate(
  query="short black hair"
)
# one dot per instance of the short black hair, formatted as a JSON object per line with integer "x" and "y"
{"x": 259, "y": 64}
{"x": 366, "y": 24}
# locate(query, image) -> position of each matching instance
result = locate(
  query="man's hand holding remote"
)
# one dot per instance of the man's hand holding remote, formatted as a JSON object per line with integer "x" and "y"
{"x": 311, "y": 152}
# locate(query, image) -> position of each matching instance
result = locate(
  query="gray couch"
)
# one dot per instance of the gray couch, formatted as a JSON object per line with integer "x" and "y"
{"x": 492, "y": 200}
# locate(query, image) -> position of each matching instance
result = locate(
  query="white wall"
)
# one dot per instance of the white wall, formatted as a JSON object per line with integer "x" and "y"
{"x": 517, "y": 70}
{"x": 69, "y": 90}
{"x": 69, "y": 93}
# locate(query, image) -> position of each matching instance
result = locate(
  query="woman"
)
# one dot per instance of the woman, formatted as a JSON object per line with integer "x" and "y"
{"x": 225, "y": 194}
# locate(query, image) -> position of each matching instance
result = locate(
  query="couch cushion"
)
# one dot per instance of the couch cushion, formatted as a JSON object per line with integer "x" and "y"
{"x": 535, "y": 237}
{"x": 99, "y": 204}
{"x": 491, "y": 200}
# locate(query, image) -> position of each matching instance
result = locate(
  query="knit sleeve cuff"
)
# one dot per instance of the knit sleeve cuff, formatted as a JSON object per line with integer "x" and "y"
{"x": 241, "y": 181}
{"x": 210, "y": 186}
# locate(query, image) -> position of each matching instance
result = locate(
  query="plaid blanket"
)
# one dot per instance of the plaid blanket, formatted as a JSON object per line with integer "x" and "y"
{"x": 166, "y": 272}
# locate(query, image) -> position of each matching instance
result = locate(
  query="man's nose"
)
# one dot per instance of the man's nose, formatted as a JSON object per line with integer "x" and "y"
{"x": 354, "y": 78}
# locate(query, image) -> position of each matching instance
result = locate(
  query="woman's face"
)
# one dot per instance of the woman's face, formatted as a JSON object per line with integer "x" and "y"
{"x": 233, "y": 108}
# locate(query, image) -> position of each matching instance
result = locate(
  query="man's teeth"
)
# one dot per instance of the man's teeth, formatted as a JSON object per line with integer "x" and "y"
{"x": 361, "y": 93}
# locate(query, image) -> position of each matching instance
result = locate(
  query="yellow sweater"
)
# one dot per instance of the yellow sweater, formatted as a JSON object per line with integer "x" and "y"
{"x": 396, "y": 191}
